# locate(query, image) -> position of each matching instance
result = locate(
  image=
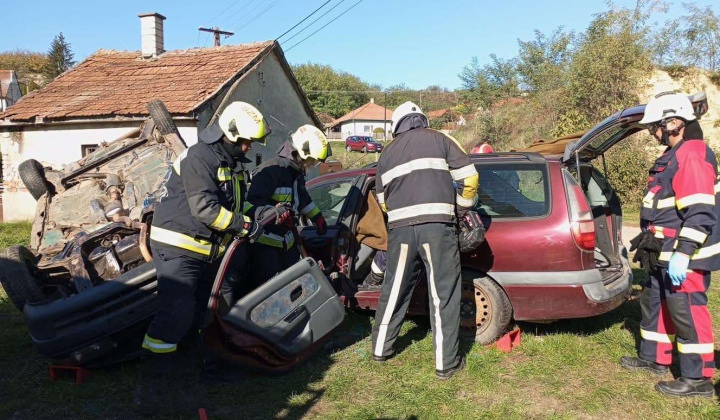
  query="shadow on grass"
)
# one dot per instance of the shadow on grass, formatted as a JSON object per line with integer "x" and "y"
{"x": 628, "y": 314}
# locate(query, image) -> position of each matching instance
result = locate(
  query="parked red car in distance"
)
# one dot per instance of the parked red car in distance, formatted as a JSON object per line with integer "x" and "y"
{"x": 363, "y": 143}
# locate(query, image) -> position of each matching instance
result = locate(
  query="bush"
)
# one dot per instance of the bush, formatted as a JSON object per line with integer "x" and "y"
{"x": 677, "y": 71}
{"x": 627, "y": 168}
{"x": 715, "y": 78}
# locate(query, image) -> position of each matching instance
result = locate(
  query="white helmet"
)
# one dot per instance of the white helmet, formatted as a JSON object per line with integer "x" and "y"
{"x": 668, "y": 105}
{"x": 238, "y": 121}
{"x": 310, "y": 142}
{"x": 403, "y": 111}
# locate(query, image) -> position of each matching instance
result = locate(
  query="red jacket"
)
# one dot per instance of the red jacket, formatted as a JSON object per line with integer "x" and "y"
{"x": 681, "y": 204}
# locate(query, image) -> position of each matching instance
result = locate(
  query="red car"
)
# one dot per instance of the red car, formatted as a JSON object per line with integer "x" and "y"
{"x": 363, "y": 143}
{"x": 553, "y": 246}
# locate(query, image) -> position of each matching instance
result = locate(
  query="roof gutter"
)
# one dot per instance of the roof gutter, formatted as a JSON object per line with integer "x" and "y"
{"x": 10, "y": 124}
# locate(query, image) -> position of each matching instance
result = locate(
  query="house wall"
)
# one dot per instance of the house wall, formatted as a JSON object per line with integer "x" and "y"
{"x": 10, "y": 94}
{"x": 55, "y": 146}
{"x": 268, "y": 88}
{"x": 357, "y": 127}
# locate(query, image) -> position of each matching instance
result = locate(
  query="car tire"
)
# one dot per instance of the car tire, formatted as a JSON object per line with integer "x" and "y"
{"x": 485, "y": 310}
{"x": 17, "y": 265}
{"x": 162, "y": 118}
{"x": 364, "y": 149}
{"x": 32, "y": 175}
{"x": 348, "y": 149}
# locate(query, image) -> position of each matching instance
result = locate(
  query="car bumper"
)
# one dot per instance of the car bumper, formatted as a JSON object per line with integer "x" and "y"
{"x": 84, "y": 323}
{"x": 565, "y": 294}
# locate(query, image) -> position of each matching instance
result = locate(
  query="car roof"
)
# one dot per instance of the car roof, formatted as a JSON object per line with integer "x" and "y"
{"x": 370, "y": 168}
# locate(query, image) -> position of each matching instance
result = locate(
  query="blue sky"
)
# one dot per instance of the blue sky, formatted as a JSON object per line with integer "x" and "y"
{"x": 387, "y": 42}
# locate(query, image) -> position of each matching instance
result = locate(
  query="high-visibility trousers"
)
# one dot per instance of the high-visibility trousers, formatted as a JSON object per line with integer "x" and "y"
{"x": 678, "y": 315}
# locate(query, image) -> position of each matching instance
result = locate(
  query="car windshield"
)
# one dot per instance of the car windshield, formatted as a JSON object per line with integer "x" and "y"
{"x": 330, "y": 197}
{"x": 512, "y": 190}
{"x": 369, "y": 139}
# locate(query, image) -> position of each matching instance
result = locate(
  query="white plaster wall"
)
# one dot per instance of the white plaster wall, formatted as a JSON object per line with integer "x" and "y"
{"x": 357, "y": 127}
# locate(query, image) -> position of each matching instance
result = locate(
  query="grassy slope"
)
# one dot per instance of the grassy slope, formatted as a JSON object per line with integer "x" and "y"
{"x": 565, "y": 370}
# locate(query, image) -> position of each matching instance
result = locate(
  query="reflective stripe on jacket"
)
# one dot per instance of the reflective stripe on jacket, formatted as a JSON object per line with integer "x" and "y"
{"x": 204, "y": 202}
{"x": 280, "y": 180}
{"x": 681, "y": 204}
{"x": 422, "y": 175}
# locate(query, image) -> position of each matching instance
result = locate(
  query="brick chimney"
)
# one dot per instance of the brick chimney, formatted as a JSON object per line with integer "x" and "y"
{"x": 151, "y": 34}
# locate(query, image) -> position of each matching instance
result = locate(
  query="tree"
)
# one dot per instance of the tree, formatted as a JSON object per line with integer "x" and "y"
{"x": 485, "y": 85}
{"x": 28, "y": 66}
{"x": 695, "y": 39}
{"x": 332, "y": 91}
{"x": 59, "y": 58}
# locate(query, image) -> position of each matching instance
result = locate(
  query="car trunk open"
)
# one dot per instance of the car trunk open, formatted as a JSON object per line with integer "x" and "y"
{"x": 604, "y": 203}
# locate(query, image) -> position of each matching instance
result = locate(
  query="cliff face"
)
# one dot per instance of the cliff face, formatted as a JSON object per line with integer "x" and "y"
{"x": 692, "y": 81}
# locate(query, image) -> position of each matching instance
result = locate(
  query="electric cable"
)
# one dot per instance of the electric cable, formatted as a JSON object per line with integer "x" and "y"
{"x": 324, "y": 26}
{"x": 304, "y": 19}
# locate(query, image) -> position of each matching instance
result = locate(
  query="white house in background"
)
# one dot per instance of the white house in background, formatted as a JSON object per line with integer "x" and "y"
{"x": 105, "y": 96}
{"x": 9, "y": 89}
{"x": 362, "y": 121}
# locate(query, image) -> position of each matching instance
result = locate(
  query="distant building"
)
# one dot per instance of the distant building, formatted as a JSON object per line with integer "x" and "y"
{"x": 9, "y": 89}
{"x": 105, "y": 96}
{"x": 451, "y": 120}
{"x": 363, "y": 120}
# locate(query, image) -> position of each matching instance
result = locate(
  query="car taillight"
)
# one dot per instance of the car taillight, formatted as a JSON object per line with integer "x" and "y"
{"x": 581, "y": 220}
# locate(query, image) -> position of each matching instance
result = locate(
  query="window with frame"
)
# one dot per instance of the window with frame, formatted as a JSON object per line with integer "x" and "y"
{"x": 86, "y": 149}
{"x": 513, "y": 190}
{"x": 330, "y": 197}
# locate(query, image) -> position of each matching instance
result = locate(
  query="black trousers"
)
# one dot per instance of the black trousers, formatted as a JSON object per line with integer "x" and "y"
{"x": 184, "y": 287}
{"x": 437, "y": 246}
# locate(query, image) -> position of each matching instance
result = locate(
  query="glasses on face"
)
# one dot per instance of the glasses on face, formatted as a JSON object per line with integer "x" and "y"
{"x": 653, "y": 127}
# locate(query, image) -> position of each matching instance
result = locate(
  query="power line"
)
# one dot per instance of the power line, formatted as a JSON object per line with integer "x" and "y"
{"x": 324, "y": 26}
{"x": 304, "y": 19}
{"x": 253, "y": 9}
{"x": 219, "y": 14}
{"x": 232, "y": 15}
{"x": 256, "y": 17}
{"x": 313, "y": 22}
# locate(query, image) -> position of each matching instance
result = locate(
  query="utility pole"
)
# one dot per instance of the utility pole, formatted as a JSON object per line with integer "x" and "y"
{"x": 216, "y": 32}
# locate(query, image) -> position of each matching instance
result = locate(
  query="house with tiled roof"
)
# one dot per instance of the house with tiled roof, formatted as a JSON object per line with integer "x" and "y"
{"x": 364, "y": 120}
{"x": 105, "y": 96}
{"x": 450, "y": 120}
{"x": 9, "y": 89}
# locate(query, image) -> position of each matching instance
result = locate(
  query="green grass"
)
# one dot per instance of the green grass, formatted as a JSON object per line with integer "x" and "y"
{"x": 564, "y": 370}
{"x": 14, "y": 233}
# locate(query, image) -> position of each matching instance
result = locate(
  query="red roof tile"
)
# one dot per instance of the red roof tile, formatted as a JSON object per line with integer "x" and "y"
{"x": 369, "y": 111}
{"x": 113, "y": 83}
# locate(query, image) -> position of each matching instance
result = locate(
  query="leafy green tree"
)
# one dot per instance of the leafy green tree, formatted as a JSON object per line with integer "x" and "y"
{"x": 693, "y": 39}
{"x": 332, "y": 91}
{"x": 59, "y": 58}
{"x": 610, "y": 62}
{"x": 485, "y": 85}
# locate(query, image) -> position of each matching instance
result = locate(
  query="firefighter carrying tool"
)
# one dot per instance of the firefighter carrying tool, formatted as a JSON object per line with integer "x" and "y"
{"x": 191, "y": 227}
{"x": 679, "y": 247}
{"x": 281, "y": 182}
{"x": 414, "y": 184}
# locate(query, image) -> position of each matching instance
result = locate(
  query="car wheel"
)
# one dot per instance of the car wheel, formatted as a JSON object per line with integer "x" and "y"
{"x": 485, "y": 310}
{"x": 364, "y": 149}
{"x": 32, "y": 175}
{"x": 161, "y": 117}
{"x": 348, "y": 149}
{"x": 17, "y": 276}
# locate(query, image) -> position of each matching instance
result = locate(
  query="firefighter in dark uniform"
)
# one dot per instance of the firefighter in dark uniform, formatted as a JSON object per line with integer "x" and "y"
{"x": 191, "y": 227}
{"x": 414, "y": 184}
{"x": 280, "y": 182}
{"x": 679, "y": 247}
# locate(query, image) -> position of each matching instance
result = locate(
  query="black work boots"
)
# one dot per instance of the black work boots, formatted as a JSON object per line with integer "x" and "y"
{"x": 636, "y": 363}
{"x": 686, "y": 387}
{"x": 449, "y": 372}
{"x": 681, "y": 387}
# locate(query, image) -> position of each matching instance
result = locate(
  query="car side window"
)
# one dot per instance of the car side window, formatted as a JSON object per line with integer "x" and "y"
{"x": 513, "y": 190}
{"x": 330, "y": 197}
